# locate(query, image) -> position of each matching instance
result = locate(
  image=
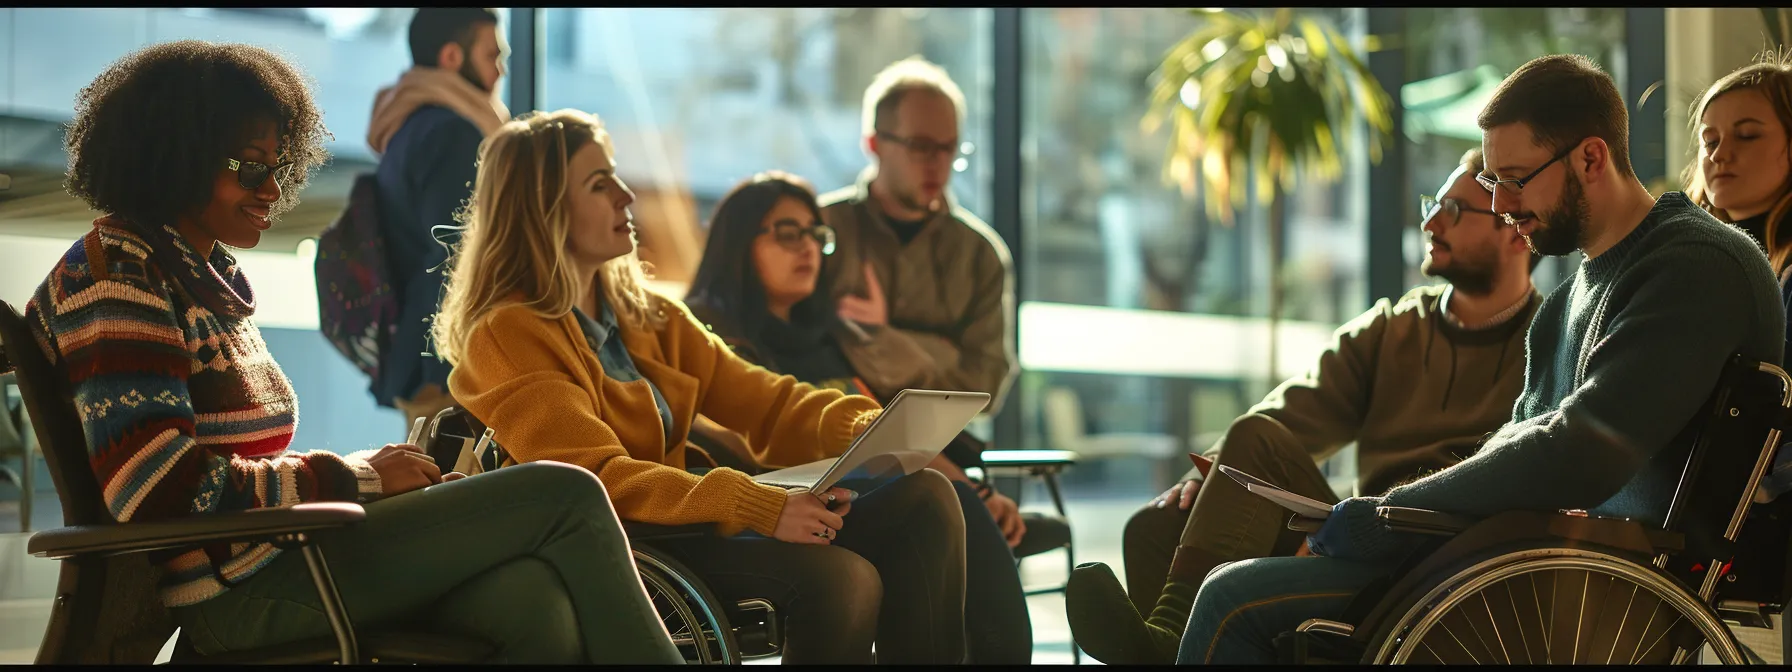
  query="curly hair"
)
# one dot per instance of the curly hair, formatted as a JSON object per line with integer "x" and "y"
{"x": 151, "y": 132}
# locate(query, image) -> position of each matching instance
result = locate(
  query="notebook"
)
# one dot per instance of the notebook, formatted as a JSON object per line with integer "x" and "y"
{"x": 1305, "y": 506}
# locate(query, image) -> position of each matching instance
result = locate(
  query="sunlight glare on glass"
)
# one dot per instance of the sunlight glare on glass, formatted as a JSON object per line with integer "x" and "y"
{"x": 343, "y": 21}
{"x": 1191, "y": 94}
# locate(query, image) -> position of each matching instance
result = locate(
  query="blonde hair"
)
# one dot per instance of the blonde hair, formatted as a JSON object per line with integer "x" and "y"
{"x": 1772, "y": 76}
{"x": 514, "y": 232}
{"x": 910, "y": 74}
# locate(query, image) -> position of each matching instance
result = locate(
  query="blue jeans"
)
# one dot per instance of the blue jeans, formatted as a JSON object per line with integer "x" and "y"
{"x": 1243, "y": 606}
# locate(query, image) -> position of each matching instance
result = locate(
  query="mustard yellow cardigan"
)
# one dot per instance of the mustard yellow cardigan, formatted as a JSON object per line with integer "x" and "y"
{"x": 538, "y": 385}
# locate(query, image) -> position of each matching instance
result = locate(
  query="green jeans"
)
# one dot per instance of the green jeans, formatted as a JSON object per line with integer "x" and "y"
{"x": 530, "y": 558}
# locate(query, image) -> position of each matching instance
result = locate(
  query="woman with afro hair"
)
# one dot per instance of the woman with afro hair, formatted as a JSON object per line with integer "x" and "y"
{"x": 188, "y": 149}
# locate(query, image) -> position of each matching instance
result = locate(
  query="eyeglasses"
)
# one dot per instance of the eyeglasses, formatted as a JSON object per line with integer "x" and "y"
{"x": 1489, "y": 182}
{"x": 1452, "y": 209}
{"x": 926, "y": 150}
{"x": 791, "y": 236}
{"x": 250, "y": 175}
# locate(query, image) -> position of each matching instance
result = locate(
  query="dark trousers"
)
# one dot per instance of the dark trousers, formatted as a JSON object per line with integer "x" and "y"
{"x": 1225, "y": 520}
{"x": 998, "y": 628}
{"x": 530, "y": 558}
{"x": 894, "y": 575}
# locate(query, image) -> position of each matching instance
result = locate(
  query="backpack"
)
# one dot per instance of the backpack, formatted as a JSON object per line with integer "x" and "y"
{"x": 356, "y": 305}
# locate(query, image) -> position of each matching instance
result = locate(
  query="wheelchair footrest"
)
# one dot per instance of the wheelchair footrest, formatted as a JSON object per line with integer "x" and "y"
{"x": 1317, "y": 647}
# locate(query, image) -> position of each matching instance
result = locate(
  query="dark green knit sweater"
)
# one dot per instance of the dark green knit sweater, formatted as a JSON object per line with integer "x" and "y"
{"x": 1619, "y": 360}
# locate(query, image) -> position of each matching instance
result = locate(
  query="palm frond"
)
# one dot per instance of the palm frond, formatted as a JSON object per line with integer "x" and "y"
{"x": 1271, "y": 95}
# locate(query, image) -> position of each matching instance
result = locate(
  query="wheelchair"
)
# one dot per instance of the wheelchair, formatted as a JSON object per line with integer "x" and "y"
{"x": 106, "y": 610}
{"x": 705, "y": 629}
{"x": 1569, "y": 587}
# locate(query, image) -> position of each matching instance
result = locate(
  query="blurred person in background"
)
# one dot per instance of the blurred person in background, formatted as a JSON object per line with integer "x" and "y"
{"x": 1742, "y": 126}
{"x": 925, "y": 280}
{"x": 426, "y": 129}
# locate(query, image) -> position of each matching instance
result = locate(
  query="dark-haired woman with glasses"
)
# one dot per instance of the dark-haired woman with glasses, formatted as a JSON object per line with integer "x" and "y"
{"x": 756, "y": 288}
{"x": 190, "y": 148}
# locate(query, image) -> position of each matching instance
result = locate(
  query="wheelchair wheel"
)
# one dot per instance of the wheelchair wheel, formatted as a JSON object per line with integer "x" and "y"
{"x": 693, "y": 615}
{"x": 1555, "y": 606}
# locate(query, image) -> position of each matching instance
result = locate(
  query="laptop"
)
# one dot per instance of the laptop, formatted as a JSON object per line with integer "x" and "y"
{"x": 911, "y": 431}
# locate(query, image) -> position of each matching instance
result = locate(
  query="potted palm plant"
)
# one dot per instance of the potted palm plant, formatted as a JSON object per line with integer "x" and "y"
{"x": 1264, "y": 95}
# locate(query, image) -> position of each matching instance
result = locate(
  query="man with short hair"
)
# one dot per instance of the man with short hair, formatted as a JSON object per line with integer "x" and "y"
{"x": 929, "y": 287}
{"x": 426, "y": 130}
{"x": 1415, "y": 383}
{"x": 927, "y": 281}
{"x": 1621, "y": 358}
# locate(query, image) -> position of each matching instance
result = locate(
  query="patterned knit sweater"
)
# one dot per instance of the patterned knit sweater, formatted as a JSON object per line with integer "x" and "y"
{"x": 184, "y": 410}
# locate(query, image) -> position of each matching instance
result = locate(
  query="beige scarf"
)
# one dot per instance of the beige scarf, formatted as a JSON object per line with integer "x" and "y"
{"x": 422, "y": 85}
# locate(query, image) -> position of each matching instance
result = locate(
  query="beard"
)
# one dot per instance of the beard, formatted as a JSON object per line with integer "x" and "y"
{"x": 470, "y": 73}
{"x": 1467, "y": 273}
{"x": 1559, "y": 230}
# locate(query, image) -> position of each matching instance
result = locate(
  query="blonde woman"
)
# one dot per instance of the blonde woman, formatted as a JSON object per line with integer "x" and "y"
{"x": 558, "y": 347}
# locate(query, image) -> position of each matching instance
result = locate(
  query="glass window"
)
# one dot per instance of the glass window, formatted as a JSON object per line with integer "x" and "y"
{"x": 1455, "y": 58}
{"x": 349, "y": 53}
{"x": 699, "y": 99}
{"x": 1142, "y": 328}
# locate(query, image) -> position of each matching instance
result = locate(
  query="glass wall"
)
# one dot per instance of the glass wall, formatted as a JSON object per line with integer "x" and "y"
{"x": 1455, "y": 58}
{"x": 700, "y": 99}
{"x": 349, "y": 53}
{"x": 1108, "y": 243}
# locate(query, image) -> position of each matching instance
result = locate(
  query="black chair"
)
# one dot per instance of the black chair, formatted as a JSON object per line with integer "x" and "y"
{"x": 705, "y": 629}
{"x": 106, "y": 609}
{"x": 1617, "y": 591}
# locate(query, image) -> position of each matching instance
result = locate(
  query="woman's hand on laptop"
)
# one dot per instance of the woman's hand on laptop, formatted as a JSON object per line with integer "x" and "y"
{"x": 806, "y": 518}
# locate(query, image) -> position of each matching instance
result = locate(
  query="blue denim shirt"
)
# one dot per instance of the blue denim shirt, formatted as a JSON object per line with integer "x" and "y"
{"x": 600, "y": 334}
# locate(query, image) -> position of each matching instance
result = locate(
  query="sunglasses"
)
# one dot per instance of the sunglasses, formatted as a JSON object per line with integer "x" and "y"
{"x": 251, "y": 175}
{"x": 791, "y": 236}
{"x": 1451, "y": 208}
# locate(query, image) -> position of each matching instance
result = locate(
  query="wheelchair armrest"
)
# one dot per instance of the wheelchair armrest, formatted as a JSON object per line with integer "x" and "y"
{"x": 236, "y": 526}
{"x": 1035, "y": 459}
{"x": 1422, "y": 521}
{"x": 639, "y": 531}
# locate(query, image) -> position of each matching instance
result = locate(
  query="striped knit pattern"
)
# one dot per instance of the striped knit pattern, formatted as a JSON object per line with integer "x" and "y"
{"x": 184, "y": 410}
